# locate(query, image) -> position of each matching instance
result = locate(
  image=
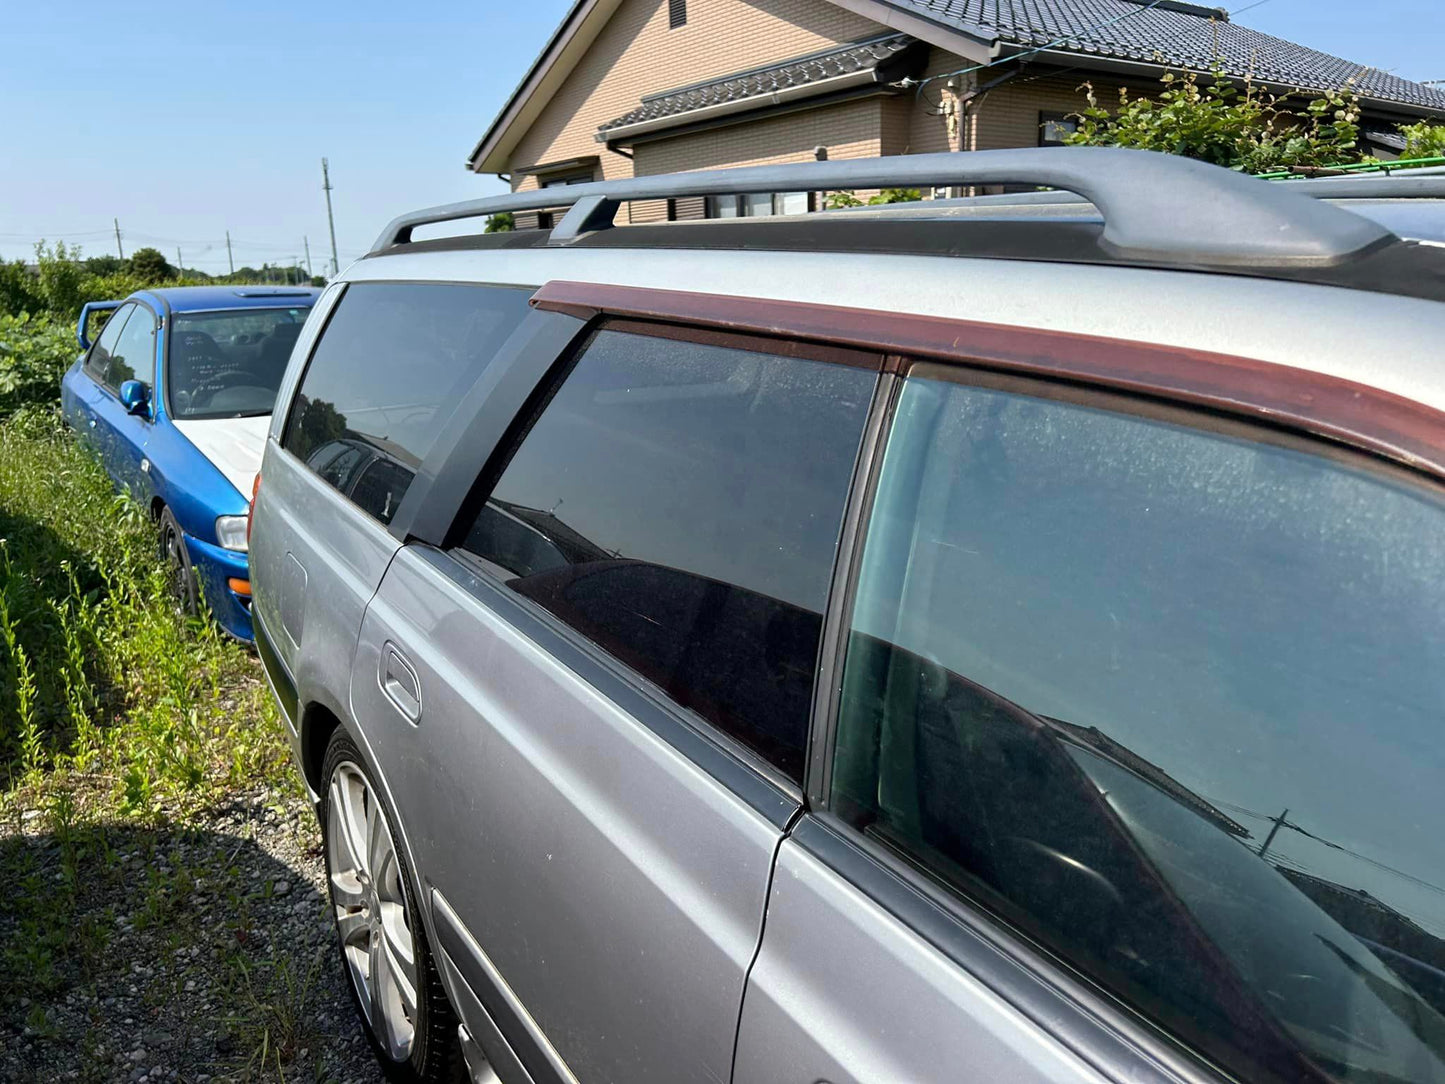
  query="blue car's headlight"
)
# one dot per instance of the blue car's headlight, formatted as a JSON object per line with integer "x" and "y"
{"x": 231, "y": 533}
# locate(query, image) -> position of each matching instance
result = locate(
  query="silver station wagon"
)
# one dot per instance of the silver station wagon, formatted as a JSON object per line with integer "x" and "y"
{"x": 995, "y": 639}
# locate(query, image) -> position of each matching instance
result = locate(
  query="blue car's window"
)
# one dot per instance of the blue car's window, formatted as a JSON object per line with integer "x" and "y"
{"x": 1170, "y": 702}
{"x": 134, "y": 354}
{"x": 97, "y": 363}
{"x": 229, "y": 363}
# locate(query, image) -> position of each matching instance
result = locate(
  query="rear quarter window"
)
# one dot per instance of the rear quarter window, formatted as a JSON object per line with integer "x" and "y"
{"x": 386, "y": 374}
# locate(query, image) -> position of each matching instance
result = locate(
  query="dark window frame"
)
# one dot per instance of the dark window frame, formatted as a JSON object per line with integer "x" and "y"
{"x": 142, "y": 307}
{"x": 487, "y": 478}
{"x": 406, "y": 507}
{"x": 710, "y": 205}
{"x": 547, "y": 219}
{"x": 119, "y": 321}
{"x": 1046, "y": 117}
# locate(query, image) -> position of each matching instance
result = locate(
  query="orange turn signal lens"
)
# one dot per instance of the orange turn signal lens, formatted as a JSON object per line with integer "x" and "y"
{"x": 241, "y": 587}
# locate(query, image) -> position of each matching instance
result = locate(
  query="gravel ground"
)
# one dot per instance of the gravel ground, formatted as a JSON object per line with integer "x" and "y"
{"x": 191, "y": 955}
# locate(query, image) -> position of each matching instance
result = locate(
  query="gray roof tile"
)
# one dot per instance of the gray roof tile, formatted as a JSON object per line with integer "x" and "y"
{"x": 1177, "y": 38}
{"x": 761, "y": 82}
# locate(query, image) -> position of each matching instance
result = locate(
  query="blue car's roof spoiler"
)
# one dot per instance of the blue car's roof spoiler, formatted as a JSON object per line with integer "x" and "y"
{"x": 85, "y": 311}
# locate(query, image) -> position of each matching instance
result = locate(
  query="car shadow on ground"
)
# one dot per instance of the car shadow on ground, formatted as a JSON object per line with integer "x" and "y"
{"x": 129, "y": 954}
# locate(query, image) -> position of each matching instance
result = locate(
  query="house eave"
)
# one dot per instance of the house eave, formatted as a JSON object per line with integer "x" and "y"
{"x": 624, "y": 134}
{"x": 559, "y": 56}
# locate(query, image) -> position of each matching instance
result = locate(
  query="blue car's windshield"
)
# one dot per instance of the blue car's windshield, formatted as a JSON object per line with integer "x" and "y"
{"x": 229, "y": 364}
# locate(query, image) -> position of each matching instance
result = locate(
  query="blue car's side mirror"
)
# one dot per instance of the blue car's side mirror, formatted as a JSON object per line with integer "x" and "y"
{"x": 135, "y": 397}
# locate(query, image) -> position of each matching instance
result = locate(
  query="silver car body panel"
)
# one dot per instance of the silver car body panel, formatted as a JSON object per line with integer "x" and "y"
{"x": 1322, "y": 328}
{"x": 844, "y": 992}
{"x": 618, "y": 888}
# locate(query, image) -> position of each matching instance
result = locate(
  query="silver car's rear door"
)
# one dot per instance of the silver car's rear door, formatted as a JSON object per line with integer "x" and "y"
{"x": 591, "y": 696}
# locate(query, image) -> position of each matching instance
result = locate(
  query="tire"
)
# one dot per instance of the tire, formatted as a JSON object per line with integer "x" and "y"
{"x": 372, "y": 911}
{"x": 178, "y": 563}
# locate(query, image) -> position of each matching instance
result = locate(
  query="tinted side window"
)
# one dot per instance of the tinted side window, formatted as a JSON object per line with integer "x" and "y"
{"x": 97, "y": 363}
{"x": 1169, "y": 702}
{"x": 679, "y": 505}
{"x": 386, "y": 374}
{"x": 134, "y": 355}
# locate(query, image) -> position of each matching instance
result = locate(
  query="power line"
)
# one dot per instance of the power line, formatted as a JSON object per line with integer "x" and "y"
{"x": 1281, "y": 822}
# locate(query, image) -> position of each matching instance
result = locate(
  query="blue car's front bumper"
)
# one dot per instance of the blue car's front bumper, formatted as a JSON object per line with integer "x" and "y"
{"x": 213, "y": 566}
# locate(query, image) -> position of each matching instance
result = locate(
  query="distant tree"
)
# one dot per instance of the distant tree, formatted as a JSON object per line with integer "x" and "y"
{"x": 150, "y": 265}
{"x": 318, "y": 280}
{"x": 1245, "y": 129}
{"x": 19, "y": 289}
{"x": 501, "y": 222}
{"x": 104, "y": 265}
{"x": 61, "y": 277}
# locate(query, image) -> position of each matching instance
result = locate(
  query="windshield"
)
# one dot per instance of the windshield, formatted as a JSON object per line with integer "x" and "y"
{"x": 229, "y": 364}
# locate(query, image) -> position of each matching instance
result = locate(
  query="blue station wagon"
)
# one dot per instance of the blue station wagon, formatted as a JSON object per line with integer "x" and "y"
{"x": 175, "y": 396}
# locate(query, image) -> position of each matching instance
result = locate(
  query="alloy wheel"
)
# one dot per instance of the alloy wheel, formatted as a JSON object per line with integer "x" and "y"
{"x": 370, "y": 905}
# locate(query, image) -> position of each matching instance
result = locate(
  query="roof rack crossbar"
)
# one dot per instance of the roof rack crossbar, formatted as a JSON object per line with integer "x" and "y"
{"x": 1156, "y": 207}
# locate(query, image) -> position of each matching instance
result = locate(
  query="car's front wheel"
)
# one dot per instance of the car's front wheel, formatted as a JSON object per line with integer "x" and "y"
{"x": 178, "y": 562}
{"x": 394, "y": 984}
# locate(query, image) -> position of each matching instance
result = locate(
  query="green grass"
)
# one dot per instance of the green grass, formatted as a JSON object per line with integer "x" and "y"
{"x": 104, "y": 687}
{"x": 116, "y": 712}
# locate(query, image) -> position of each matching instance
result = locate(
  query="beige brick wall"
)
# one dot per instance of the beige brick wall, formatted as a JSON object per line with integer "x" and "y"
{"x": 849, "y": 130}
{"x": 924, "y": 124}
{"x": 1008, "y": 116}
{"x": 636, "y": 54}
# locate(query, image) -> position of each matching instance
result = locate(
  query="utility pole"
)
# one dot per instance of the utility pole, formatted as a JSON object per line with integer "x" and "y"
{"x": 229, "y": 260}
{"x": 330, "y": 221}
{"x": 1278, "y": 824}
{"x": 117, "y": 238}
{"x": 179, "y": 265}
{"x": 304, "y": 241}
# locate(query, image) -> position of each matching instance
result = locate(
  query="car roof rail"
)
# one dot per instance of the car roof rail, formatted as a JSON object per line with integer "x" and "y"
{"x": 1158, "y": 208}
{"x": 1414, "y": 184}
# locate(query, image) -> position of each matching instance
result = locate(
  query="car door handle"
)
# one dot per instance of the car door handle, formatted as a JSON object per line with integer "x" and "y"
{"x": 399, "y": 683}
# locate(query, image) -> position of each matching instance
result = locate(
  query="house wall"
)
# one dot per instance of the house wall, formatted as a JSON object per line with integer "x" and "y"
{"x": 637, "y": 54}
{"x": 1008, "y": 115}
{"x": 848, "y": 130}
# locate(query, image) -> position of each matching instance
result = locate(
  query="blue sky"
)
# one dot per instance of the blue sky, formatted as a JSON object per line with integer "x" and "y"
{"x": 184, "y": 120}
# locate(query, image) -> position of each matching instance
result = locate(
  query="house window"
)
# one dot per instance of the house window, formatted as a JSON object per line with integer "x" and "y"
{"x": 1055, "y": 128}
{"x": 759, "y": 204}
{"x": 676, "y": 14}
{"x": 545, "y": 219}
